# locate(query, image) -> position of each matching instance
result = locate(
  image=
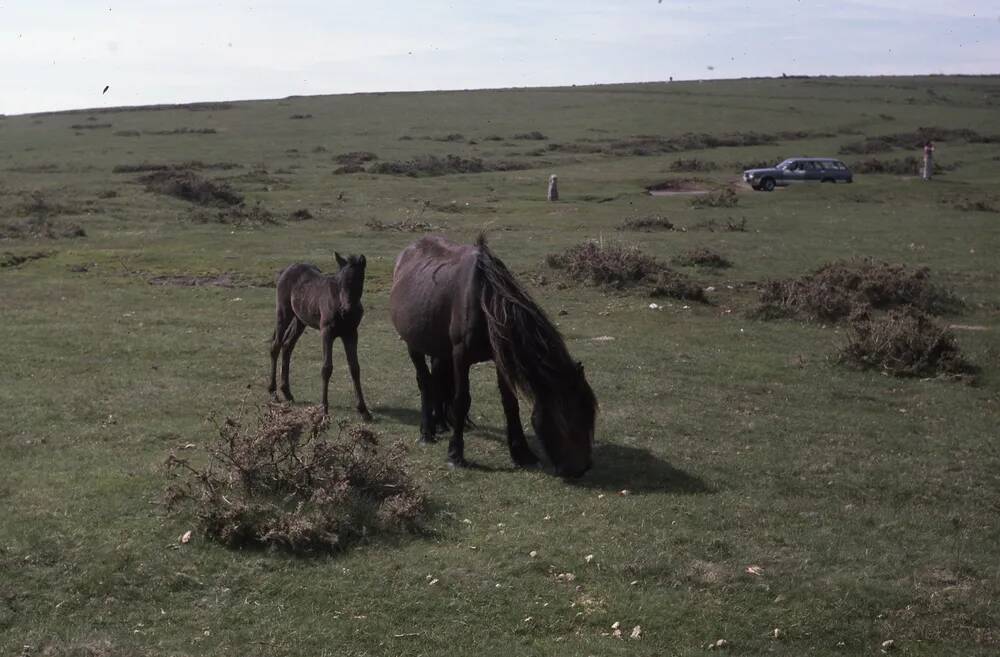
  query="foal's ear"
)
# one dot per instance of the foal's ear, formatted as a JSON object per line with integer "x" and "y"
{"x": 362, "y": 261}
{"x": 340, "y": 260}
{"x": 579, "y": 367}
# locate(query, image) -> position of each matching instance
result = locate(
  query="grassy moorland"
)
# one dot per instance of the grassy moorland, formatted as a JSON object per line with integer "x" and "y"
{"x": 866, "y": 507}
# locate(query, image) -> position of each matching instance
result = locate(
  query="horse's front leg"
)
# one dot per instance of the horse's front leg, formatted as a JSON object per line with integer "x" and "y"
{"x": 520, "y": 453}
{"x": 351, "y": 351}
{"x": 327, "y": 333}
{"x": 460, "y": 368}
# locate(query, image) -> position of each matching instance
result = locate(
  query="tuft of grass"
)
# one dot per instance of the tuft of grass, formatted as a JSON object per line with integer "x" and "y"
{"x": 614, "y": 265}
{"x": 976, "y": 205}
{"x": 184, "y": 131}
{"x": 729, "y": 226}
{"x": 407, "y": 225}
{"x": 903, "y": 342}
{"x": 300, "y": 116}
{"x": 8, "y": 259}
{"x": 302, "y": 214}
{"x": 838, "y": 290}
{"x": 279, "y": 481}
{"x": 534, "y": 135}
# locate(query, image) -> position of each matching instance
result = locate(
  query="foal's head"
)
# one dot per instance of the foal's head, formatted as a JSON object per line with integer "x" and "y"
{"x": 564, "y": 419}
{"x": 351, "y": 275}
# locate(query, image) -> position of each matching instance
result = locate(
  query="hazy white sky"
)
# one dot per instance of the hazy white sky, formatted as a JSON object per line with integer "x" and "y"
{"x": 60, "y": 55}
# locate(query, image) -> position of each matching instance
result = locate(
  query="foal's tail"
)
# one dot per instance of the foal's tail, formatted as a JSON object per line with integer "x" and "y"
{"x": 527, "y": 348}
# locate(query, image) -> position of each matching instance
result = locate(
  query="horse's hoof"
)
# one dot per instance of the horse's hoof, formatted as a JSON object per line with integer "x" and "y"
{"x": 458, "y": 463}
{"x": 427, "y": 440}
{"x": 366, "y": 416}
{"x": 527, "y": 464}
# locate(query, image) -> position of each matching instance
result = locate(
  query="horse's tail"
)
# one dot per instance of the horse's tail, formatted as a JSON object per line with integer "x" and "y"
{"x": 528, "y": 351}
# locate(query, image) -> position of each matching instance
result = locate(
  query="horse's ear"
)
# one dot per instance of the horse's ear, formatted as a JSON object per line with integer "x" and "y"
{"x": 340, "y": 260}
{"x": 579, "y": 367}
{"x": 362, "y": 261}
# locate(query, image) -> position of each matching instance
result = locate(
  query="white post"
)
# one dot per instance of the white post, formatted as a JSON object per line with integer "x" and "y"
{"x": 553, "y": 188}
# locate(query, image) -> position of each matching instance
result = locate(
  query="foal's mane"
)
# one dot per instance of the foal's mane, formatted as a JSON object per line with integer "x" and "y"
{"x": 528, "y": 350}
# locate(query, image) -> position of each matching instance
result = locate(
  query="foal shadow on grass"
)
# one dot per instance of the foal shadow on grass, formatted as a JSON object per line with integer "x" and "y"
{"x": 618, "y": 467}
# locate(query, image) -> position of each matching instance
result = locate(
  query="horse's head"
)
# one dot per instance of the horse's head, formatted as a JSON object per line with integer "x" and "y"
{"x": 564, "y": 419}
{"x": 351, "y": 275}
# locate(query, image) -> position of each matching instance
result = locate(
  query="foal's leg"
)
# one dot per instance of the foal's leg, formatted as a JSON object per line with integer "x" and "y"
{"x": 520, "y": 453}
{"x": 281, "y": 325}
{"x": 351, "y": 351}
{"x": 460, "y": 367}
{"x": 292, "y": 333}
{"x": 425, "y": 384}
{"x": 327, "y": 365}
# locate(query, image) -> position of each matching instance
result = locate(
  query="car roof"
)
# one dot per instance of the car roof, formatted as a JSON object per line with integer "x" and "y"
{"x": 813, "y": 159}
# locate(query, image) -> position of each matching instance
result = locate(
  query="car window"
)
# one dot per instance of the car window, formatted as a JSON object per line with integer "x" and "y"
{"x": 811, "y": 166}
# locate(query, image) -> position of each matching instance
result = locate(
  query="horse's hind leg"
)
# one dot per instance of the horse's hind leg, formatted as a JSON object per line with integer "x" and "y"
{"x": 442, "y": 391}
{"x": 351, "y": 352}
{"x": 520, "y": 453}
{"x": 426, "y": 385}
{"x": 292, "y": 334}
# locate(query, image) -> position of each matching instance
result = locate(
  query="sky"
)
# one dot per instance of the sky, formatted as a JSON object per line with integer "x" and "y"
{"x": 61, "y": 55}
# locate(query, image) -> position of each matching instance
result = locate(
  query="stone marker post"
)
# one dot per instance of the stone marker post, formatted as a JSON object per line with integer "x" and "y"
{"x": 553, "y": 188}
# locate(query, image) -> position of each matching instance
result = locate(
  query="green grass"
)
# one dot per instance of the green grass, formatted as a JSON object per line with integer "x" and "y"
{"x": 869, "y": 503}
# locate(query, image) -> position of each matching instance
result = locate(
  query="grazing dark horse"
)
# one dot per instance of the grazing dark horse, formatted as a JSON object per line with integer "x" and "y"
{"x": 458, "y": 305}
{"x": 328, "y": 302}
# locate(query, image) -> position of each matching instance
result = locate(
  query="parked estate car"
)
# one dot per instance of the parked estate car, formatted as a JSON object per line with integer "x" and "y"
{"x": 798, "y": 169}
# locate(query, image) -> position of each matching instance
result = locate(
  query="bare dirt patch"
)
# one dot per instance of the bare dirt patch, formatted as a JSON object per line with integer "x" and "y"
{"x": 278, "y": 480}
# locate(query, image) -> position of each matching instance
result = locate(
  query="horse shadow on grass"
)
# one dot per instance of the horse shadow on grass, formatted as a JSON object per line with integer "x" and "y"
{"x": 620, "y": 467}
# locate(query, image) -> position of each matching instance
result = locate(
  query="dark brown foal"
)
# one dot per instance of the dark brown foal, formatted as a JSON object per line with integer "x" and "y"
{"x": 330, "y": 303}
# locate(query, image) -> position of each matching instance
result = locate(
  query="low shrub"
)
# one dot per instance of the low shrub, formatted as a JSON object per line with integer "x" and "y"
{"x": 279, "y": 481}
{"x": 702, "y": 257}
{"x": 723, "y": 199}
{"x": 903, "y": 343}
{"x": 838, "y": 290}
{"x": 613, "y": 265}
{"x": 189, "y": 186}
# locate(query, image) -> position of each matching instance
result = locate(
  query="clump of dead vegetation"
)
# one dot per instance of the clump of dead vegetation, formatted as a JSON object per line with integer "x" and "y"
{"x": 189, "y": 186}
{"x": 905, "y": 166}
{"x": 355, "y": 157}
{"x": 976, "y": 205}
{"x": 693, "y": 164}
{"x": 279, "y": 481}
{"x": 702, "y": 257}
{"x": 302, "y": 214}
{"x": 90, "y": 126}
{"x": 38, "y": 211}
{"x": 841, "y": 289}
{"x": 725, "y": 198}
{"x": 8, "y": 259}
{"x": 408, "y": 225}
{"x": 184, "y": 131}
{"x": 533, "y": 135}
{"x": 646, "y": 224}
{"x": 729, "y": 226}
{"x": 300, "y": 117}
{"x": 193, "y": 165}
{"x": 618, "y": 266}
{"x": 903, "y": 342}
{"x": 432, "y": 165}
{"x": 236, "y": 215}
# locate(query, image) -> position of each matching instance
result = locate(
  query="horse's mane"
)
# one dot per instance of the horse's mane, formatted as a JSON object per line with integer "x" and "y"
{"x": 528, "y": 350}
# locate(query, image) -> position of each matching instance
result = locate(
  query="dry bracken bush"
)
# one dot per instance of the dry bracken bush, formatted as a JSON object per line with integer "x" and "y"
{"x": 189, "y": 186}
{"x": 281, "y": 482}
{"x": 614, "y": 265}
{"x": 837, "y": 290}
{"x": 702, "y": 257}
{"x": 903, "y": 343}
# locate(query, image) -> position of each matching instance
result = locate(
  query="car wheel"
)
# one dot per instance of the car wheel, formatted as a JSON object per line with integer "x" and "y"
{"x": 767, "y": 184}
